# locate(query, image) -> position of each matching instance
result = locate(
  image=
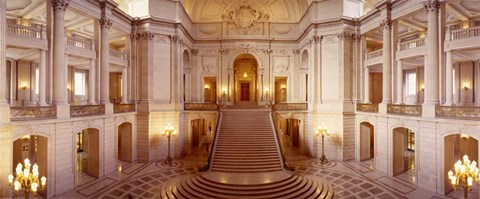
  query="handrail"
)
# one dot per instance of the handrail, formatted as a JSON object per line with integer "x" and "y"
{"x": 373, "y": 54}
{"x": 279, "y": 145}
{"x": 118, "y": 54}
{"x": 25, "y": 31}
{"x": 215, "y": 139}
{"x": 412, "y": 44}
{"x": 464, "y": 33}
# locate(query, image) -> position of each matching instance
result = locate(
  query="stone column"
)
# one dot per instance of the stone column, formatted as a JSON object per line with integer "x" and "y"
{"x": 432, "y": 67}
{"x": 387, "y": 64}
{"x": 366, "y": 85}
{"x": 124, "y": 85}
{"x": 105, "y": 25}
{"x": 59, "y": 69}
{"x": 477, "y": 82}
{"x": 399, "y": 82}
{"x": 3, "y": 52}
{"x": 91, "y": 83}
{"x": 43, "y": 79}
{"x": 449, "y": 79}
{"x": 456, "y": 78}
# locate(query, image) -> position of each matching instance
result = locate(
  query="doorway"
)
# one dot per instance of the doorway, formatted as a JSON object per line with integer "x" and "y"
{"x": 404, "y": 154}
{"x": 124, "y": 142}
{"x": 367, "y": 141}
{"x": 87, "y": 156}
{"x": 245, "y": 78}
{"x": 245, "y": 90}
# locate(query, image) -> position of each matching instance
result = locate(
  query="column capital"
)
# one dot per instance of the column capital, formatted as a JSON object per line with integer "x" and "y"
{"x": 432, "y": 5}
{"x": 105, "y": 22}
{"x": 175, "y": 39}
{"x": 386, "y": 23}
{"x": 315, "y": 39}
{"x": 347, "y": 36}
{"x": 60, "y": 5}
{"x": 296, "y": 51}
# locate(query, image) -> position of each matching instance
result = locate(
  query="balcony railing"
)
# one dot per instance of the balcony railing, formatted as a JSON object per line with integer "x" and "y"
{"x": 33, "y": 113}
{"x": 123, "y": 108}
{"x": 458, "y": 112}
{"x": 290, "y": 107}
{"x": 373, "y": 54}
{"x": 201, "y": 107}
{"x": 463, "y": 33}
{"x": 412, "y": 44}
{"x": 25, "y": 31}
{"x": 119, "y": 54}
{"x": 367, "y": 107}
{"x": 87, "y": 110}
{"x": 80, "y": 42}
{"x": 412, "y": 110}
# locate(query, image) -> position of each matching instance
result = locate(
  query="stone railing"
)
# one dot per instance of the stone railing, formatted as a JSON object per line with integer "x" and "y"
{"x": 201, "y": 107}
{"x": 463, "y": 33}
{"x": 411, "y": 44}
{"x": 412, "y": 110}
{"x": 367, "y": 107}
{"x": 290, "y": 107}
{"x": 373, "y": 54}
{"x": 87, "y": 110}
{"x": 118, "y": 54}
{"x": 33, "y": 113}
{"x": 459, "y": 112}
{"x": 25, "y": 31}
{"x": 80, "y": 42}
{"x": 123, "y": 108}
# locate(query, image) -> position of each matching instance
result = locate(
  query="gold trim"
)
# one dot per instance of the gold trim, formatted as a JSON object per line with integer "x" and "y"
{"x": 201, "y": 107}
{"x": 460, "y": 112}
{"x": 367, "y": 107}
{"x": 87, "y": 110}
{"x": 290, "y": 107}
{"x": 413, "y": 110}
{"x": 123, "y": 108}
{"x": 33, "y": 113}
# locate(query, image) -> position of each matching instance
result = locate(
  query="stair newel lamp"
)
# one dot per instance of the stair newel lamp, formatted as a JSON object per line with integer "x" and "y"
{"x": 323, "y": 131}
{"x": 464, "y": 175}
{"x": 169, "y": 132}
{"x": 27, "y": 179}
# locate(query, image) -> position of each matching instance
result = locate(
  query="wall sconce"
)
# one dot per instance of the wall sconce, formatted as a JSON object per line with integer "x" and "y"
{"x": 464, "y": 136}
{"x": 68, "y": 87}
{"x": 24, "y": 85}
{"x": 465, "y": 87}
{"x": 245, "y": 74}
{"x": 422, "y": 88}
{"x": 283, "y": 86}
{"x": 207, "y": 86}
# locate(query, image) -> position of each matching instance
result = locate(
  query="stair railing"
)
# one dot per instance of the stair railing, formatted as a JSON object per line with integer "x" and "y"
{"x": 206, "y": 167}
{"x": 279, "y": 145}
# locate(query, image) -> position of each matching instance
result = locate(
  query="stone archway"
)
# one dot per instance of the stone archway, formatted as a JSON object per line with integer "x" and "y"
{"x": 245, "y": 78}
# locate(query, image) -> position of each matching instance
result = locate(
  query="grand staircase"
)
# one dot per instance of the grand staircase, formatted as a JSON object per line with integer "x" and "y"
{"x": 246, "y": 164}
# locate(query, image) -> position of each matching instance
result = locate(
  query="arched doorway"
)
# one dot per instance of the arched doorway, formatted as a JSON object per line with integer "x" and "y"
{"x": 404, "y": 154}
{"x": 124, "y": 142}
{"x": 87, "y": 156}
{"x": 455, "y": 147}
{"x": 367, "y": 141}
{"x": 289, "y": 133}
{"x": 35, "y": 148}
{"x": 245, "y": 78}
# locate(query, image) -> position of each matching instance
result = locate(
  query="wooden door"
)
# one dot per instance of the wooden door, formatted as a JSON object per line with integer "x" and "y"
{"x": 93, "y": 153}
{"x": 245, "y": 91}
{"x": 398, "y": 148}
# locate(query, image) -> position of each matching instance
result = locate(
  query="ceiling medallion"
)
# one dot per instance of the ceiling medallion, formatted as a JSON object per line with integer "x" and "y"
{"x": 244, "y": 16}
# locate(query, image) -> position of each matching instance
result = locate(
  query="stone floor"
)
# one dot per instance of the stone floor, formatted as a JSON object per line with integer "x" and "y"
{"x": 351, "y": 179}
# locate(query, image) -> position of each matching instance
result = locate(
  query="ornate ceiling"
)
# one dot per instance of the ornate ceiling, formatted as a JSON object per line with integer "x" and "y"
{"x": 219, "y": 10}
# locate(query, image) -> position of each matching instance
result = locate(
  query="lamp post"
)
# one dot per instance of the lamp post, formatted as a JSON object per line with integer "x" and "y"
{"x": 465, "y": 173}
{"x": 27, "y": 179}
{"x": 169, "y": 131}
{"x": 323, "y": 131}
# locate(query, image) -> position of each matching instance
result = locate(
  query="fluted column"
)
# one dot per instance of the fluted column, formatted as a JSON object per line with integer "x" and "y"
{"x": 105, "y": 25}
{"x": 432, "y": 67}
{"x": 124, "y": 86}
{"x": 387, "y": 64}
{"x": 43, "y": 79}
{"x": 477, "y": 82}
{"x": 399, "y": 82}
{"x": 91, "y": 82}
{"x": 3, "y": 52}
{"x": 449, "y": 79}
{"x": 59, "y": 69}
{"x": 366, "y": 84}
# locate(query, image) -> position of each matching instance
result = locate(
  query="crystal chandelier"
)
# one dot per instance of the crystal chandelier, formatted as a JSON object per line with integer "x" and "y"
{"x": 465, "y": 173}
{"x": 27, "y": 179}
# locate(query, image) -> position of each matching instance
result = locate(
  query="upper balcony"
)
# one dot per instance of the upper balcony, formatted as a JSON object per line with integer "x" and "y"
{"x": 80, "y": 47}
{"x": 411, "y": 48}
{"x": 26, "y": 36}
{"x": 466, "y": 38}
{"x": 118, "y": 57}
{"x": 374, "y": 57}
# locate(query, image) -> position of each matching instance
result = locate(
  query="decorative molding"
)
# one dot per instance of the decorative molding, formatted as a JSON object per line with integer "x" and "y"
{"x": 386, "y": 23}
{"x": 290, "y": 107}
{"x": 145, "y": 35}
{"x": 244, "y": 16}
{"x": 315, "y": 39}
{"x": 367, "y": 107}
{"x": 459, "y": 112}
{"x": 87, "y": 110}
{"x": 432, "y": 5}
{"x": 296, "y": 51}
{"x": 123, "y": 108}
{"x": 194, "y": 52}
{"x": 174, "y": 39}
{"x": 33, "y": 113}
{"x": 60, "y": 5}
{"x": 413, "y": 110}
{"x": 105, "y": 22}
{"x": 201, "y": 107}
{"x": 209, "y": 65}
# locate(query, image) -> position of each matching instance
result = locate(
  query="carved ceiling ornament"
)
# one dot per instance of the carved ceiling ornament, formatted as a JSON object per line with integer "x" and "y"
{"x": 244, "y": 16}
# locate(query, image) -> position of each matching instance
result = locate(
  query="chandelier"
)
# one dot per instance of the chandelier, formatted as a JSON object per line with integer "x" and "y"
{"x": 27, "y": 179}
{"x": 465, "y": 173}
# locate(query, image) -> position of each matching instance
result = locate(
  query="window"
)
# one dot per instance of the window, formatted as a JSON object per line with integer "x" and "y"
{"x": 79, "y": 83}
{"x": 37, "y": 81}
{"x": 411, "y": 81}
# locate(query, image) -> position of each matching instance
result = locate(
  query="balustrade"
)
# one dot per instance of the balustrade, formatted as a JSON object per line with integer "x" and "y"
{"x": 412, "y": 44}
{"x": 412, "y": 110}
{"x": 87, "y": 110}
{"x": 33, "y": 113}
{"x": 119, "y": 54}
{"x": 373, "y": 54}
{"x": 80, "y": 42}
{"x": 123, "y": 108}
{"x": 201, "y": 107}
{"x": 367, "y": 107}
{"x": 458, "y": 112}
{"x": 290, "y": 107}
{"x": 25, "y": 31}
{"x": 463, "y": 33}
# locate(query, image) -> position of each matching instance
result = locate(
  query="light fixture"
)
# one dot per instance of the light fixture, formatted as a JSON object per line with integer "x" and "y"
{"x": 283, "y": 86}
{"x": 24, "y": 85}
{"x": 27, "y": 179}
{"x": 465, "y": 87}
{"x": 464, "y": 136}
{"x": 168, "y": 132}
{"x": 245, "y": 74}
{"x": 206, "y": 86}
{"x": 465, "y": 173}
{"x": 322, "y": 130}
